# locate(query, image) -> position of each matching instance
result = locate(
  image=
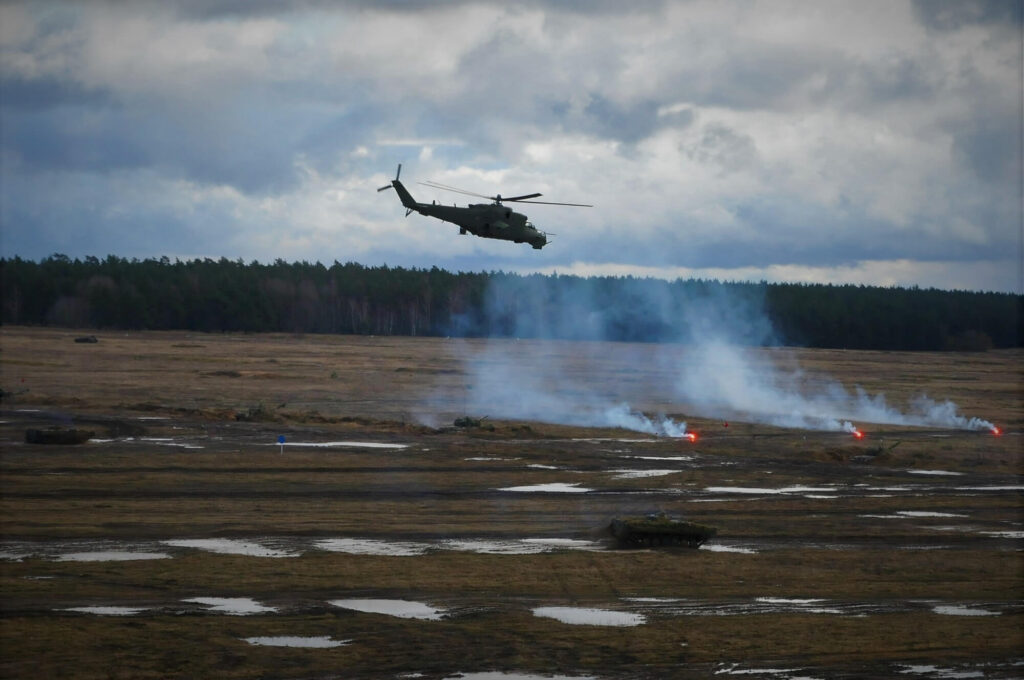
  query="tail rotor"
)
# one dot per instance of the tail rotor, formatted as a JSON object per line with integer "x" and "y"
{"x": 391, "y": 186}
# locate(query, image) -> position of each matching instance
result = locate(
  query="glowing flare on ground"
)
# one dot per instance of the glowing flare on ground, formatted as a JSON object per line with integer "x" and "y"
{"x": 692, "y": 436}
{"x": 852, "y": 429}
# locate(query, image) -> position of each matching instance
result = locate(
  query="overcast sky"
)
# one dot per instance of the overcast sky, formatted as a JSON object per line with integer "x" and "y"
{"x": 869, "y": 142}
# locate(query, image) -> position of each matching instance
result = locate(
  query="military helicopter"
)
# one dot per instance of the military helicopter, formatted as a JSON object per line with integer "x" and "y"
{"x": 487, "y": 220}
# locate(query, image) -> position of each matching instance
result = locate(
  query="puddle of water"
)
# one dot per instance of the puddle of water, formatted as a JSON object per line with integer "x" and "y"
{"x": 558, "y": 543}
{"x": 926, "y": 513}
{"x": 1004, "y": 534}
{"x": 760, "y": 605}
{"x": 760, "y": 490}
{"x": 939, "y": 672}
{"x": 400, "y": 608}
{"x": 714, "y": 547}
{"x": 521, "y": 546}
{"x": 810, "y": 605}
{"x": 490, "y": 547}
{"x": 961, "y": 610}
{"x": 227, "y": 546}
{"x": 583, "y": 616}
{"x": 107, "y": 611}
{"x": 372, "y": 546}
{"x": 736, "y": 670}
{"x": 111, "y": 556}
{"x": 990, "y": 488}
{"x": 321, "y": 642}
{"x": 331, "y": 445}
{"x": 554, "y": 487}
{"x": 499, "y": 675}
{"x": 236, "y": 606}
{"x": 538, "y": 466}
{"x": 524, "y": 546}
{"x": 904, "y": 514}
{"x": 13, "y": 557}
{"x": 953, "y": 528}
{"x": 641, "y": 474}
{"x": 946, "y": 473}
{"x": 677, "y": 459}
{"x": 165, "y": 441}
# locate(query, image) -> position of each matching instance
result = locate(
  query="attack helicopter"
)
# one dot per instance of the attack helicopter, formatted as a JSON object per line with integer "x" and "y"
{"x": 487, "y": 220}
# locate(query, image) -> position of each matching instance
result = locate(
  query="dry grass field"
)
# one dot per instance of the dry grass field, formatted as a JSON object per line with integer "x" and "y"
{"x": 184, "y": 541}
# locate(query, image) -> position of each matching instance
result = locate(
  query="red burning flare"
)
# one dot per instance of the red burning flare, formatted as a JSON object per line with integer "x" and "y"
{"x": 857, "y": 434}
{"x": 692, "y": 436}
{"x": 996, "y": 431}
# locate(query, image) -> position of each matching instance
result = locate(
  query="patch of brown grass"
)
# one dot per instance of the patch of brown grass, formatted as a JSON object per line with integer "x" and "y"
{"x": 327, "y": 388}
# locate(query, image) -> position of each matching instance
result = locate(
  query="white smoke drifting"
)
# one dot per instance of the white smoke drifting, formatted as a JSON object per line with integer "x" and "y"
{"x": 535, "y": 387}
{"x": 719, "y": 376}
{"x": 726, "y": 381}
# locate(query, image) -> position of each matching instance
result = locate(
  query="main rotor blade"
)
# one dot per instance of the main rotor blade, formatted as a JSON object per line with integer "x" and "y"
{"x": 517, "y": 198}
{"x": 577, "y": 205}
{"x": 437, "y": 185}
{"x": 503, "y": 199}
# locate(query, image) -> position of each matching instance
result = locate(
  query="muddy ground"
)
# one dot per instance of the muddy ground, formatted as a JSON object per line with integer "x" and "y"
{"x": 379, "y": 541}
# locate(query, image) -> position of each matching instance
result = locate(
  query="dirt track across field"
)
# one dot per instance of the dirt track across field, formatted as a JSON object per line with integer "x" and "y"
{"x": 378, "y": 541}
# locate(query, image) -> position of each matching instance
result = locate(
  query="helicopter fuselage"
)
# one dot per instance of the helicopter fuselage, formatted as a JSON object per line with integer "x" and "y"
{"x": 487, "y": 220}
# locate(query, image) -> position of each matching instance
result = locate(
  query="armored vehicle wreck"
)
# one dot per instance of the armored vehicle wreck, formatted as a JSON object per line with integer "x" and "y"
{"x": 58, "y": 435}
{"x": 659, "y": 530}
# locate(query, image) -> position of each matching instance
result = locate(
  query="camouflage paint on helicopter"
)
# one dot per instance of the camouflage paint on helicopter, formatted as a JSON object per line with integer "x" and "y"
{"x": 487, "y": 220}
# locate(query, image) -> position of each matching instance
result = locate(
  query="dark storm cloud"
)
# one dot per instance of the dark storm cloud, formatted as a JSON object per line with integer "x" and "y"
{"x": 250, "y": 143}
{"x": 48, "y": 137}
{"x": 235, "y": 8}
{"x": 708, "y": 134}
{"x": 45, "y": 93}
{"x": 627, "y": 122}
{"x": 252, "y": 151}
{"x": 990, "y": 146}
{"x": 949, "y": 15}
{"x": 722, "y": 147}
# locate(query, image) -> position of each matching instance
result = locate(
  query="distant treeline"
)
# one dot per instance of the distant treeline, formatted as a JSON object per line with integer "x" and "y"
{"x": 302, "y": 297}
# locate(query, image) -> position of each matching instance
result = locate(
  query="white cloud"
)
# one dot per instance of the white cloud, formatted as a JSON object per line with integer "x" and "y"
{"x": 828, "y": 140}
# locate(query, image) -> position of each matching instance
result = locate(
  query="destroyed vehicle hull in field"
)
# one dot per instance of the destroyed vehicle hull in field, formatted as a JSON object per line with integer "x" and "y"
{"x": 58, "y": 435}
{"x": 659, "y": 530}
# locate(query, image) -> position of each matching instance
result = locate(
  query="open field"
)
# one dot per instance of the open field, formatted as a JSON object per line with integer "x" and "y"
{"x": 193, "y": 531}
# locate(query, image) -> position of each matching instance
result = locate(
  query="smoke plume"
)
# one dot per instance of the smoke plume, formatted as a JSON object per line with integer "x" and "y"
{"x": 723, "y": 375}
{"x": 727, "y": 382}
